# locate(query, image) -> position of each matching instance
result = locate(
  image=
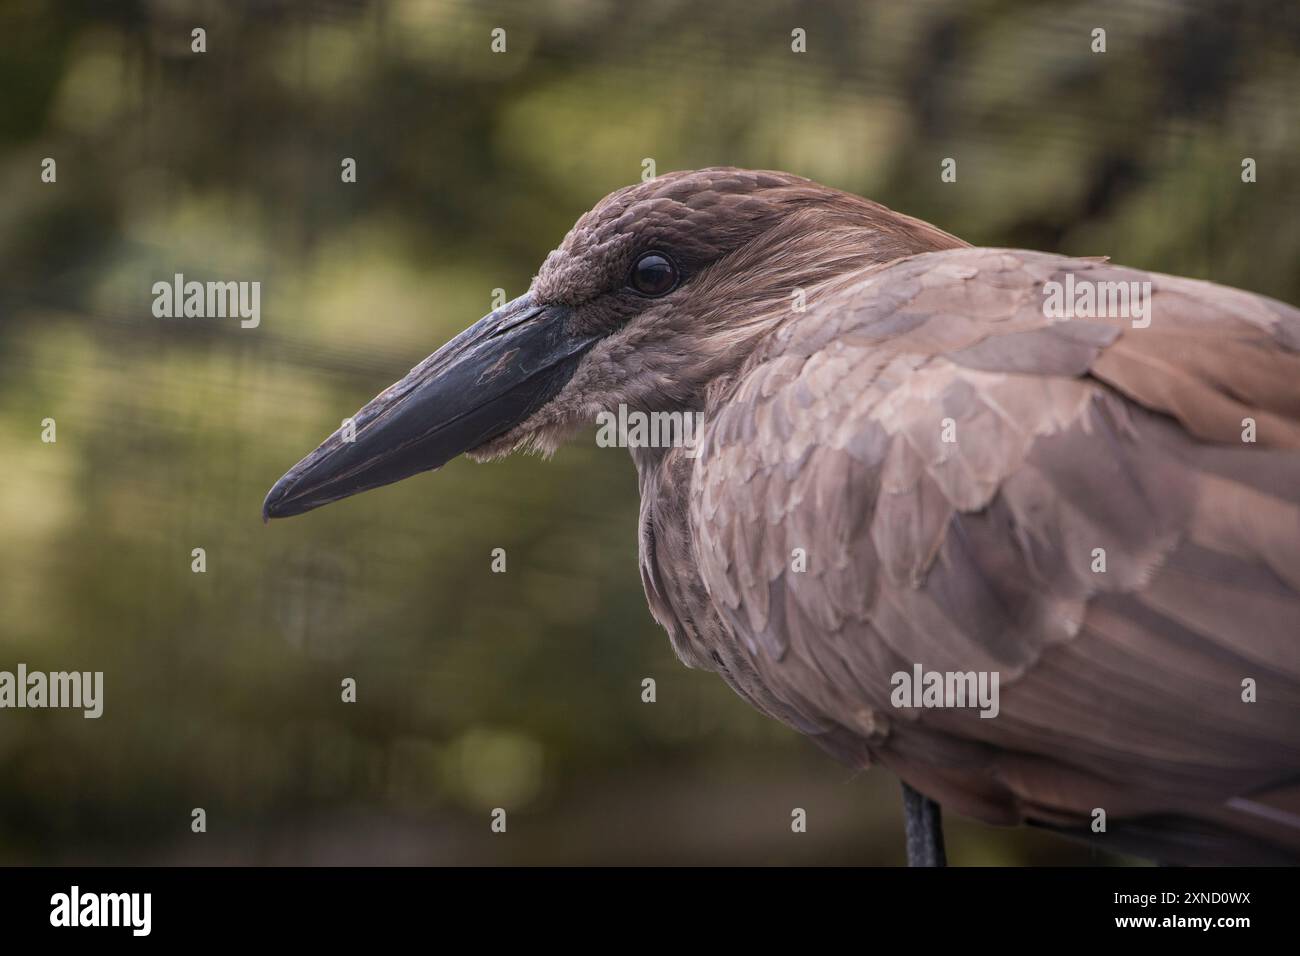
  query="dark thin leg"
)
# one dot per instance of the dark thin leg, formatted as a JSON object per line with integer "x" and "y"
{"x": 924, "y": 829}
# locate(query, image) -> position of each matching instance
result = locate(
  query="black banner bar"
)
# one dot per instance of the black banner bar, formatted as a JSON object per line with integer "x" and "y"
{"x": 335, "y": 905}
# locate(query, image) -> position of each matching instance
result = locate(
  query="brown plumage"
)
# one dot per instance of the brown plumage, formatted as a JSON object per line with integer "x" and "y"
{"x": 825, "y": 436}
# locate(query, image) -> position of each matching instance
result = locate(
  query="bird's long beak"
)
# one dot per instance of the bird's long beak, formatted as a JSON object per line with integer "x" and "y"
{"x": 483, "y": 382}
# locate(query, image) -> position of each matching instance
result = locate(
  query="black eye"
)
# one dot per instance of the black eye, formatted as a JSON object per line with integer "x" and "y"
{"x": 653, "y": 275}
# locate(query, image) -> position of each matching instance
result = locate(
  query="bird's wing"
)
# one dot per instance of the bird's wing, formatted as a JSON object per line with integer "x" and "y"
{"x": 955, "y": 467}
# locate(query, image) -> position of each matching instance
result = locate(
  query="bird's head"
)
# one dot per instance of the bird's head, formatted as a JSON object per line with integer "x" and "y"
{"x": 658, "y": 291}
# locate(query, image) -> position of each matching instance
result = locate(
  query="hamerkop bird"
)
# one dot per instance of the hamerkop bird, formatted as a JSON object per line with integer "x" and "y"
{"x": 914, "y": 463}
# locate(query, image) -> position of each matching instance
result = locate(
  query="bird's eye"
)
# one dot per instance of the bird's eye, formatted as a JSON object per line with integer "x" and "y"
{"x": 653, "y": 275}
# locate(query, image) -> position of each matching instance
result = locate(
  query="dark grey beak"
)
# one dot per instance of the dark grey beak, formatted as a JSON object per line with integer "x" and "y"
{"x": 479, "y": 385}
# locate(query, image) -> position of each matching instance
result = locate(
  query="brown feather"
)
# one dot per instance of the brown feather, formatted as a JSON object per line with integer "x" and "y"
{"x": 1119, "y": 690}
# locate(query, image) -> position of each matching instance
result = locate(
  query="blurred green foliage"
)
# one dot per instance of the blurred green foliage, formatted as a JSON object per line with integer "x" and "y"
{"x": 479, "y": 690}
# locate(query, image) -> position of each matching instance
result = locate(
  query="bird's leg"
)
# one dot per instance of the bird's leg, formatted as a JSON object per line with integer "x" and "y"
{"x": 924, "y": 829}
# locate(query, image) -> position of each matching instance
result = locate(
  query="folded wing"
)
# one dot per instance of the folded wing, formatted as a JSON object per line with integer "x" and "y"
{"x": 1105, "y": 514}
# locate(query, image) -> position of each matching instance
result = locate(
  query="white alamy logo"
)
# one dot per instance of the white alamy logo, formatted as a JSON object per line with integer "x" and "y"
{"x": 922, "y": 688}
{"x": 208, "y": 300}
{"x": 75, "y": 908}
{"x": 1087, "y": 299}
{"x": 76, "y": 690}
{"x": 633, "y": 429}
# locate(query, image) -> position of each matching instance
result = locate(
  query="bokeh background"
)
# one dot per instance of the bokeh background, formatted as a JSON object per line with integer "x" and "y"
{"x": 479, "y": 690}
